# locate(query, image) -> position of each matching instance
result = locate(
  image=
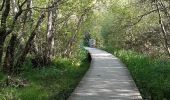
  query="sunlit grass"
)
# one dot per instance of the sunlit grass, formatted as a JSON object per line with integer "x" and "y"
{"x": 54, "y": 82}
{"x": 151, "y": 75}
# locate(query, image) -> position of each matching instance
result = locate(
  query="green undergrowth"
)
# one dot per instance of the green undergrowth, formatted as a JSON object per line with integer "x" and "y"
{"x": 152, "y": 75}
{"x": 54, "y": 82}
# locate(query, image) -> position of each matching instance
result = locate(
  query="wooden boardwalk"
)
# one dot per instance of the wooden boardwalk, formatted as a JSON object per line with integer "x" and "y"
{"x": 107, "y": 79}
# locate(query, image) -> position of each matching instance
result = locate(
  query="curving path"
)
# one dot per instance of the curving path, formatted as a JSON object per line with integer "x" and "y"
{"x": 107, "y": 79}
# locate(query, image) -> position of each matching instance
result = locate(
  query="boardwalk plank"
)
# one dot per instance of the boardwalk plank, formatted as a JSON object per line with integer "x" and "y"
{"x": 107, "y": 79}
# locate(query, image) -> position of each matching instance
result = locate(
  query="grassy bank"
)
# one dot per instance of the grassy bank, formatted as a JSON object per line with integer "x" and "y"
{"x": 54, "y": 82}
{"x": 151, "y": 75}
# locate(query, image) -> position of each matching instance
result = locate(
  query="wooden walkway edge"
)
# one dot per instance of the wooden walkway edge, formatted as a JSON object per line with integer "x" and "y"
{"x": 107, "y": 79}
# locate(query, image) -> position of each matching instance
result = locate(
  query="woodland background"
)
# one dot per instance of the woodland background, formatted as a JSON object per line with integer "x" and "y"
{"x": 37, "y": 36}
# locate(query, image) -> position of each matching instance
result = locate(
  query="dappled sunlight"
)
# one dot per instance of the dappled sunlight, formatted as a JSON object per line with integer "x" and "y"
{"x": 102, "y": 54}
{"x": 113, "y": 88}
{"x": 107, "y": 79}
{"x": 99, "y": 55}
{"x": 103, "y": 57}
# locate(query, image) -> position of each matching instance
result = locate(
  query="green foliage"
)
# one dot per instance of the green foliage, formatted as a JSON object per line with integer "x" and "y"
{"x": 1, "y": 76}
{"x": 151, "y": 75}
{"x": 34, "y": 92}
{"x": 142, "y": 43}
{"x": 127, "y": 25}
{"x": 54, "y": 82}
{"x": 115, "y": 23}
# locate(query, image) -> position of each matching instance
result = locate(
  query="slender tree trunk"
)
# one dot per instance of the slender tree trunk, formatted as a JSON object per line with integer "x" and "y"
{"x": 2, "y": 6}
{"x": 54, "y": 19}
{"x": 14, "y": 7}
{"x": 29, "y": 6}
{"x": 67, "y": 52}
{"x": 164, "y": 32}
{"x": 2, "y": 40}
{"x": 49, "y": 35}
{"x": 52, "y": 15}
{"x": 9, "y": 58}
{"x": 27, "y": 17}
{"x": 3, "y": 31}
{"x": 25, "y": 51}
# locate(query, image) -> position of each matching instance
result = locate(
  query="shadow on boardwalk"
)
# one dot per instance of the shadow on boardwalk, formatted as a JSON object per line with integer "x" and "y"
{"x": 107, "y": 79}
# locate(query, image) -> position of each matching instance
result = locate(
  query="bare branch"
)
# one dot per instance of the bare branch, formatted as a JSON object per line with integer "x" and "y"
{"x": 5, "y": 14}
{"x": 23, "y": 3}
{"x": 2, "y": 6}
{"x": 143, "y": 15}
{"x": 15, "y": 18}
{"x": 46, "y": 8}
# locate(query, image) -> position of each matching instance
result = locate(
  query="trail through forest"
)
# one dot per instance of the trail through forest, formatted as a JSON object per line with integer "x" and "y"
{"x": 107, "y": 79}
{"x": 41, "y": 45}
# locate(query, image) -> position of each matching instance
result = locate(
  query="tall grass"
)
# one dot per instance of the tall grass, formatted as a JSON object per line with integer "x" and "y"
{"x": 54, "y": 82}
{"x": 151, "y": 75}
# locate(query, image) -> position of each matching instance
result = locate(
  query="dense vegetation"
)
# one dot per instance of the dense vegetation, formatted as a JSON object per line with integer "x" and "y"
{"x": 41, "y": 48}
{"x": 41, "y": 29}
{"x": 53, "y": 82}
{"x": 151, "y": 75}
{"x": 137, "y": 31}
{"x": 41, "y": 44}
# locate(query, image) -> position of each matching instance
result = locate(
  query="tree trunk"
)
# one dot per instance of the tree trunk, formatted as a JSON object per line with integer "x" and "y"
{"x": 3, "y": 28}
{"x": 49, "y": 35}
{"x": 14, "y": 7}
{"x": 164, "y": 32}
{"x": 52, "y": 15}
{"x": 9, "y": 58}
{"x": 67, "y": 51}
{"x": 3, "y": 33}
{"x": 25, "y": 51}
{"x": 54, "y": 18}
{"x": 2, "y": 40}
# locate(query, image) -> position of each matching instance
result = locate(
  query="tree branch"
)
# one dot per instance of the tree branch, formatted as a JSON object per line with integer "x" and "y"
{"x": 5, "y": 14}
{"x": 141, "y": 17}
{"x": 16, "y": 17}
{"x": 24, "y": 53}
{"x": 2, "y": 6}
{"x": 145, "y": 14}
